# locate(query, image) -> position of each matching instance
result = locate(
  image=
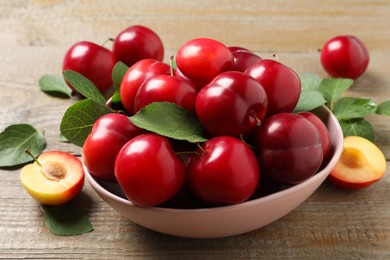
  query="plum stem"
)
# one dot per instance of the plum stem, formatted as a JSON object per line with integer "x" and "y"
{"x": 108, "y": 40}
{"x": 275, "y": 55}
{"x": 245, "y": 142}
{"x": 27, "y": 151}
{"x": 171, "y": 65}
{"x": 53, "y": 171}
{"x": 258, "y": 121}
{"x": 186, "y": 152}
{"x": 201, "y": 148}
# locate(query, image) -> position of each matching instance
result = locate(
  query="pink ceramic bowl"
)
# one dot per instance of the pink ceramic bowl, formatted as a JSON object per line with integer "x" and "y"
{"x": 227, "y": 220}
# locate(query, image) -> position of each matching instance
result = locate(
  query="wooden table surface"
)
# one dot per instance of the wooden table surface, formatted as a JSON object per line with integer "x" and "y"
{"x": 331, "y": 224}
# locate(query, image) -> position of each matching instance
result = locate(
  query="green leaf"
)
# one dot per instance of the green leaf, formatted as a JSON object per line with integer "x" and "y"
{"x": 79, "y": 118}
{"x": 310, "y": 81}
{"x": 358, "y": 127}
{"x": 333, "y": 88}
{"x": 351, "y": 107}
{"x": 66, "y": 220}
{"x": 13, "y": 142}
{"x": 118, "y": 73}
{"x": 170, "y": 120}
{"x": 309, "y": 100}
{"x": 54, "y": 85}
{"x": 384, "y": 108}
{"x": 84, "y": 86}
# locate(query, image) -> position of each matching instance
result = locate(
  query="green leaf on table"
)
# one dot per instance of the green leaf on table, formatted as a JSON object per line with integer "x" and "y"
{"x": 170, "y": 120}
{"x": 78, "y": 119}
{"x": 52, "y": 84}
{"x": 358, "y": 127}
{"x": 351, "y": 107}
{"x": 84, "y": 86}
{"x": 309, "y": 100}
{"x": 66, "y": 220}
{"x": 15, "y": 139}
{"x": 118, "y": 73}
{"x": 310, "y": 81}
{"x": 333, "y": 88}
{"x": 383, "y": 108}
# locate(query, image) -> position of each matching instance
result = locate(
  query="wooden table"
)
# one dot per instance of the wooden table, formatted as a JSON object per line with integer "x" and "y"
{"x": 331, "y": 224}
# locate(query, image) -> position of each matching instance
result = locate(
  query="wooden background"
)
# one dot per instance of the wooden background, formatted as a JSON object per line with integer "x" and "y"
{"x": 331, "y": 224}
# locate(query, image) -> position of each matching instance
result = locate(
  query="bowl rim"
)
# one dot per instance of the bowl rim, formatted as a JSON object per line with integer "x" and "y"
{"x": 325, "y": 171}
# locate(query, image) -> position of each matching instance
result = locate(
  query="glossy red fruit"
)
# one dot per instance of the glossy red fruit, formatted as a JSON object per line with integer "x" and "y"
{"x": 289, "y": 148}
{"x": 148, "y": 170}
{"x": 243, "y": 58}
{"x": 281, "y": 83}
{"x": 135, "y": 76}
{"x": 198, "y": 84}
{"x": 225, "y": 171}
{"x": 136, "y": 43}
{"x": 92, "y": 61}
{"x": 167, "y": 88}
{"x": 238, "y": 48}
{"x": 345, "y": 57}
{"x": 325, "y": 136}
{"x": 203, "y": 59}
{"x": 109, "y": 133}
{"x": 232, "y": 104}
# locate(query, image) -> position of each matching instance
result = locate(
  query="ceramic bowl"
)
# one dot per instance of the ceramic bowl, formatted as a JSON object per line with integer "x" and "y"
{"x": 226, "y": 220}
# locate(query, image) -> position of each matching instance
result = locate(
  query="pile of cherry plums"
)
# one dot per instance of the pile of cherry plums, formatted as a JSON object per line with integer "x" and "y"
{"x": 244, "y": 103}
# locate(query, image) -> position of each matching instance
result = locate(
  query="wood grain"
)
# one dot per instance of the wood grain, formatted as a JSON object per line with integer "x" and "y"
{"x": 332, "y": 223}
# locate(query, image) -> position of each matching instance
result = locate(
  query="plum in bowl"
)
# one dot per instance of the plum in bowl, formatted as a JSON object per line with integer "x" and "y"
{"x": 223, "y": 221}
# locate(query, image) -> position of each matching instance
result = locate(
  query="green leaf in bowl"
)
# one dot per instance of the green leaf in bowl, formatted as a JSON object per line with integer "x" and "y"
{"x": 78, "y": 119}
{"x": 170, "y": 120}
{"x": 309, "y": 100}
